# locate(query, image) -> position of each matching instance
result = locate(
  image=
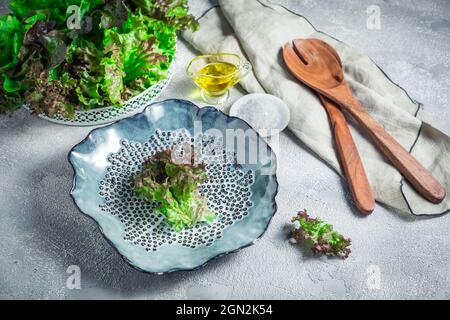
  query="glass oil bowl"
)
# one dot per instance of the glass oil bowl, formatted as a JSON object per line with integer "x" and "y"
{"x": 216, "y": 73}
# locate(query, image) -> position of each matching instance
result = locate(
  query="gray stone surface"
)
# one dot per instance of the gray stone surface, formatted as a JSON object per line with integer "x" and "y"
{"x": 42, "y": 233}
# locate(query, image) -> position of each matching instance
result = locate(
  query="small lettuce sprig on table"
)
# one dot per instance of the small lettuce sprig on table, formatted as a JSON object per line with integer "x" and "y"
{"x": 174, "y": 185}
{"x": 321, "y": 235}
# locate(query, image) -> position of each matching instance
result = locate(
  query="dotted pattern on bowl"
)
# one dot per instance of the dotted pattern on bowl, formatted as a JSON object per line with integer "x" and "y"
{"x": 227, "y": 190}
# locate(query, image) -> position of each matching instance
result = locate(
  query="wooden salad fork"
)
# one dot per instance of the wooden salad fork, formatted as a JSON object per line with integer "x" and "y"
{"x": 317, "y": 64}
{"x": 350, "y": 160}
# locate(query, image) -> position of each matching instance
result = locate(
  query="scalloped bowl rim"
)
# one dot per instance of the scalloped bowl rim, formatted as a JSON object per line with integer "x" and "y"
{"x": 134, "y": 117}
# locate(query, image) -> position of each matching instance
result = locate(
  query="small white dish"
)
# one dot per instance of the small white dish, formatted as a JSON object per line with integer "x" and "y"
{"x": 266, "y": 113}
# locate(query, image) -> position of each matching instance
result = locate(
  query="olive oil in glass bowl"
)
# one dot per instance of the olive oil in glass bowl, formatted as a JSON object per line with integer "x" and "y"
{"x": 216, "y": 73}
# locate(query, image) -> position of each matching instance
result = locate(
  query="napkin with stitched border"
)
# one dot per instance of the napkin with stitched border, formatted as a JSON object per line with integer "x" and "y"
{"x": 257, "y": 29}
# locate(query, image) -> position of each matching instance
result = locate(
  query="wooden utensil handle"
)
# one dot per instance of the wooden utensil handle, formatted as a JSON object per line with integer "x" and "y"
{"x": 350, "y": 160}
{"x": 419, "y": 177}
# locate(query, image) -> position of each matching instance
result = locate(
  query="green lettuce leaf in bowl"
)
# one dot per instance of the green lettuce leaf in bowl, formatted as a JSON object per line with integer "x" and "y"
{"x": 58, "y": 10}
{"x": 120, "y": 49}
{"x": 175, "y": 186}
{"x": 9, "y": 47}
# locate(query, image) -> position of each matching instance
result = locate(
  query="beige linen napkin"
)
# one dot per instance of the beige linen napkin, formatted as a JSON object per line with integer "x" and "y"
{"x": 258, "y": 29}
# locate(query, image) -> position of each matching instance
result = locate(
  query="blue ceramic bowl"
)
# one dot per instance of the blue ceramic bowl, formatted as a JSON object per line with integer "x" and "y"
{"x": 241, "y": 186}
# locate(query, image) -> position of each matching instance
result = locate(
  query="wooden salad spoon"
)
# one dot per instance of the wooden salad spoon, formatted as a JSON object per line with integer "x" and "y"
{"x": 318, "y": 65}
{"x": 350, "y": 160}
